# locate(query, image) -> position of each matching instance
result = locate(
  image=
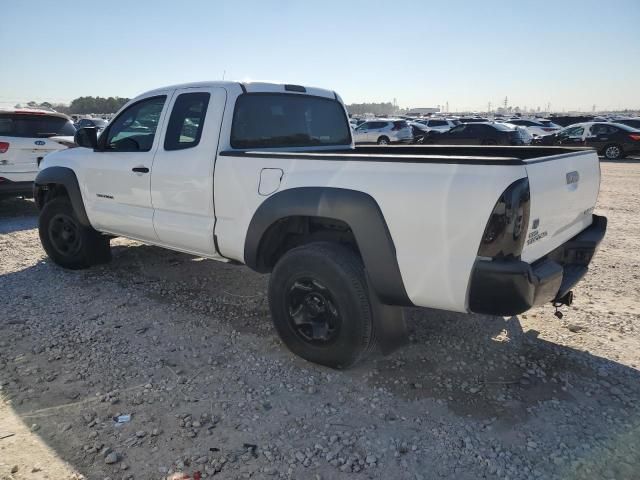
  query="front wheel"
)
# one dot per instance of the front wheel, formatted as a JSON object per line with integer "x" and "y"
{"x": 383, "y": 141}
{"x": 67, "y": 242}
{"x": 613, "y": 152}
{"x": 320, "y": 304}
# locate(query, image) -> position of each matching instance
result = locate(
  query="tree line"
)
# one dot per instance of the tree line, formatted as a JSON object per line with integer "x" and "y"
{"x": 82, "y": 105}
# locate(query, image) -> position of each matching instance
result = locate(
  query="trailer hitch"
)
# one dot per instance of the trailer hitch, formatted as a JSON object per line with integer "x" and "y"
{"x": 566, "y": 299}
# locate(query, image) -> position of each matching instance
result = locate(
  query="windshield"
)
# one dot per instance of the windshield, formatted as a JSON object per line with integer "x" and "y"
{"x": 275, "y": 120}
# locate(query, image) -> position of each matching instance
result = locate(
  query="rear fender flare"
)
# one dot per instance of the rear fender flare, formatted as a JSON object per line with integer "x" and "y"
{"x": 358, "y": 210}
{"x": 66, "y": 177}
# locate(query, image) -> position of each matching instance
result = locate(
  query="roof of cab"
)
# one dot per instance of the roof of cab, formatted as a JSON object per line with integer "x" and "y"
{"x": 251, "y": 87}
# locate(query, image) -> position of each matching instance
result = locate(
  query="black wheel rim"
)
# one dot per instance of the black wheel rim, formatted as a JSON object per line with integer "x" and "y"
{"x": 64, "y": 234}
{"x": 313, "y": 314}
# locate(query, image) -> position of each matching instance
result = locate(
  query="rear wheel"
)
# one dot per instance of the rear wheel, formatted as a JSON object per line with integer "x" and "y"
{"x": 383, "y": 141}
{"x": 320, "y": 304}
{"x": 67, "y": 242}
{"x": 613, "y": 152}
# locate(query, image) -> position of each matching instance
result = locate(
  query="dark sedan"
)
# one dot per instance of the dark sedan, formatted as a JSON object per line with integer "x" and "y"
{"x": 476, "y": 134}
{"x": 613, "y": 140}
{"x": 91, "y": 122}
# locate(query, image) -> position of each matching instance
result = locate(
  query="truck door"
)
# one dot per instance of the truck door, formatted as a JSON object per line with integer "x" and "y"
{"x": 182, "y": 172}
{"x": 116, "y": 176}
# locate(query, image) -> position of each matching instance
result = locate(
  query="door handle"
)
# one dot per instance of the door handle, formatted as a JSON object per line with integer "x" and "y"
{"x": 140, "y": 169}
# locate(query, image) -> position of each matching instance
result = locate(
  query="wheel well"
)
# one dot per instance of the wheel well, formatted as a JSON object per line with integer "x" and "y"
{"x": 291, "y": 232}
{"x": 45, "y": 193}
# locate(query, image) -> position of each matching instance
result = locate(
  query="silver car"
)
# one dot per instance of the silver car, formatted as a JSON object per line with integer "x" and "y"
{"x": 438, "y": 124}
{"x": 383, "y": 132}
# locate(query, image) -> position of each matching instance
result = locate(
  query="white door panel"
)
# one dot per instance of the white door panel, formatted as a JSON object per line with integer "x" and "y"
{"x": 182, "y": 178}
{"x": 117, "y": 198}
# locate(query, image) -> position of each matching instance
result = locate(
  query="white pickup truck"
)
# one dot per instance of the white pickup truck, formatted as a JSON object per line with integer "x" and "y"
{"x": 267, "y": 176}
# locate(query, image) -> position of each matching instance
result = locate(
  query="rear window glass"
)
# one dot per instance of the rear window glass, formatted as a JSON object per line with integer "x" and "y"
{"x": 34, "y": 126}
{"x": 400, "y": 124}
{"x": 438, "y": 123}
{"x": 268, "y": 120}
{"x": 186, "y": 121}
{"x": 624, "y": 127}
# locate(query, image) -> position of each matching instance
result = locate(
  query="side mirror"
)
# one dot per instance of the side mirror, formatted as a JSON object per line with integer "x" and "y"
{"x": 87, "y": 137}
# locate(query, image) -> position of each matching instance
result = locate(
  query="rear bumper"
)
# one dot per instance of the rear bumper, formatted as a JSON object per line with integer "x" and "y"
{"x": 510, "y": 287}
{"x": 8, "y": 187}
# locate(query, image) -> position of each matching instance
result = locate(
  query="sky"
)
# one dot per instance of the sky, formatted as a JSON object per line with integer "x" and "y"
{"x": 570, "y": 54}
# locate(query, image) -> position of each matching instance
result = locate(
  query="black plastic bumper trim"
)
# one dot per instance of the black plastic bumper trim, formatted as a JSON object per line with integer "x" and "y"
{"x": 509, "y": 287}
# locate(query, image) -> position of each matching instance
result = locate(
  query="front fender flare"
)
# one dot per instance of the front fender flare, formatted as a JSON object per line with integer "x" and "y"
{"x": 66, "y": 177}
{"x": 358, "y": 210}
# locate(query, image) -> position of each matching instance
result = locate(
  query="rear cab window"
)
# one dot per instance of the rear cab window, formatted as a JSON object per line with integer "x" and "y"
{"x": 187, "y": 120}
{"x": 27, "y": 125}
{"x": 278, "y": 120}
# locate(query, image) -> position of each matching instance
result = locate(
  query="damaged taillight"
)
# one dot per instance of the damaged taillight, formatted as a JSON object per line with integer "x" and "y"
{"x": 506, "y": 230}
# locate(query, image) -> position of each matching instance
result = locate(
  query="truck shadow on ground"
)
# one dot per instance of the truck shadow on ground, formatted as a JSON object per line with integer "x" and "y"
{"x": 479, "y": 366}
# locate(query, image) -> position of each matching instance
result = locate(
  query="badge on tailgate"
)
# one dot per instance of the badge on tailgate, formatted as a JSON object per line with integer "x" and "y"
{"x": 573, "y": 177}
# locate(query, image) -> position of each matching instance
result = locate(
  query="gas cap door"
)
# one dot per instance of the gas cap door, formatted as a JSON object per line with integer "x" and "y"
{"x": 270, "y": 179}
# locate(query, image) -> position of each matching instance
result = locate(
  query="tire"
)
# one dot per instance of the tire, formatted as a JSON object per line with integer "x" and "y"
{"x": 319, "y": 301}
{"x": 613, "y": 152}
{"x": 67, "y": 242}
{"x": 383, "y": 141}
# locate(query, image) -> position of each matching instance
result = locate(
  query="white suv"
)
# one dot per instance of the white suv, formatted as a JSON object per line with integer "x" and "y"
{"x": 25, "y": 138}
{"x": 536, "y": 127}
{"x": 438, "y": 124}
{"x": 383, "y": 132}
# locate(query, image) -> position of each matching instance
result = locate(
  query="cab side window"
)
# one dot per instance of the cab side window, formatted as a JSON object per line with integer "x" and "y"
{"x": 135, "y": 128}
{"x": 187, "y": 120}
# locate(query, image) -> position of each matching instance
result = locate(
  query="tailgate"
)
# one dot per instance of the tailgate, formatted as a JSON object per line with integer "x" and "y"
{"x": 24, "y": 154}
{"x": 564, "y": 189}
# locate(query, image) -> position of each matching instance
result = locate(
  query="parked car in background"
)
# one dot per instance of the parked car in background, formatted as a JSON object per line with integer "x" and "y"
{"x": 477, "y": 134}
{"x": 419, "y": 130}
{"x": 438, "y": 124}
{"x": 383, "y": 132}
{"x": 26, "y": 136}
{"x": 473, "y": 119}
{"x": 630, "y": 122}
{"x": 99, "y": 123}
{"x": 612, "y": 140}
{"x": 537, "y": 128}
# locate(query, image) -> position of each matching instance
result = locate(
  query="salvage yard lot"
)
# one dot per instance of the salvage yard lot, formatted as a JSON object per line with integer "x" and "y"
{"x": 185, "y": 346}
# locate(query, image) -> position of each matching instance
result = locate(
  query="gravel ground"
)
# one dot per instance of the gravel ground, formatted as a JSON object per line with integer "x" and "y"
{"x": 186, "y": 348}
